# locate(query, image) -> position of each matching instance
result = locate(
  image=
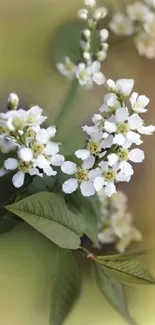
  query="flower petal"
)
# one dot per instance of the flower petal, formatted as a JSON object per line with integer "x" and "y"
{"x": 69, "y": 168}
{"x": 122, "y": 114}
{"x": 109, "y": 127}
{"x": 82, "y": 154}
{"x": 98, "y": 183}
{"x": 119, "y": 139}
{"x": 49, "y": 171}
{"x": 135, "y": 122}
{"x": 110, "y": 189}
{"x": 25, "y": 154}
{"x": 57, "y": 160}
{"x": 11, "y": 163}
{"x": 70, "y": 186}
{"x": 88, "y": 163}
{"x": 99, "y": 78}
{"x": 52, "y": 148}
{"x": 112, "y": 158}
{"x": 87, "y": 188}
{"x": 18, "y": 179}
{"x": 136, "y": 155}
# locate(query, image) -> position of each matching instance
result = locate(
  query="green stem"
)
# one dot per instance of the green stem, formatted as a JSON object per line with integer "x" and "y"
{"x": 111, "y": 150}
{"x": 69, "y": 99}
{"x": 90, "y": 255}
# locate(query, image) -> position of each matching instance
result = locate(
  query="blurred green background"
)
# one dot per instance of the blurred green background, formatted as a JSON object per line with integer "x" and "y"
{"x": 28, "y": 47}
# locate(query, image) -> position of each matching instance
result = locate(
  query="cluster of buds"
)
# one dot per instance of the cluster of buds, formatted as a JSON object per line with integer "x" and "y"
{"x": 88, "y": 70}
{"x": 34, "y": 151}
{"x": 107, "y": 156}
{"x": 116, "y": 224}
{"x": 139, "y": 21}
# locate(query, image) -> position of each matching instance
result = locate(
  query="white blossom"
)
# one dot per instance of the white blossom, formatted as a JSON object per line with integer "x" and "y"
{"x": 13, "y": 101}
{"x": 116, "y": 223}
{"x": 121, "y": 25}
{"x": 90, "y": 3}
{"x": 139, "y": 103}
{"x": 67, "y": 68}
{"x": 122, "y": 86}
{"x": 138, "y": 11}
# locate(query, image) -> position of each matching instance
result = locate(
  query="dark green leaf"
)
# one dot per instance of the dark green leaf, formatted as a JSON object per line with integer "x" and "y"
{"x": 48, "y": 213}
{"x": 42, "y": 184}
{"x": 130, "y": 271}
{"x": 112, "y": 290}
{"x": 65, "y": 286}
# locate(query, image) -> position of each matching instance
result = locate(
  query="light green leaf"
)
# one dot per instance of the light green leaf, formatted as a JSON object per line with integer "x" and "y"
{"x": 48, "y": 213}
{"x": 65, "y": 286}
{"x": 88, "y": 210}
{"x": 112, "y": 290}
{"x": 130, "y": 271}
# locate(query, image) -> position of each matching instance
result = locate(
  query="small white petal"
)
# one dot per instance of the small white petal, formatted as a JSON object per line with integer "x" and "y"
{"x": 93, "y": 174}
{"x": 124, "y": 86}
{"x": 107, "y": 142}
{"x": 122, "y": 177}
{"x": 136, "y": 155}
{"x": 110, "y": 189}
{"x": 18, "y": 179}
{"x": 135, "y": 122}
{"x": 104, "y": 165}
{"x": 134, "y": 137}
{"x": 35, "y": 171}
{"x": 88, "y": 163}
{"x": 69, "y": 168}
{"x": 42, "y": 136}
{"x": 49, "y": 171}
{"x": 98, "y": 183}
{"x": 109, "y": 127}
{"x": 111, "y": 84}
{"x": 87, "y": 188}
{"x": 147, "y": 130}
{"x": 70, "y": 186}
{"x": 99, "y": 78}
{"x": 126, "y": 168}
{"x": 82, "y": 154}
{"x": 52, "y": 148}
{"x": 11, "y": 163}
{"x": 112, "y": 158}
{"x": 57, "y": 160}
{"x": 122, "y": 114}
{"x": 51, "y": 131}
{"x": 119, "y": 139}
{"x": 25, "y": 154}
{"x": 42, "y": 162}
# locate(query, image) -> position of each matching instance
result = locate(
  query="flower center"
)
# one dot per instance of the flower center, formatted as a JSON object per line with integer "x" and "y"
{"x": 31, "y": 118}
{"x": 30, "y": 133}
{"x": 83, "y": 75}
{"x": 94, "y": 147}
{"x": 24, "y": 166}
{"x": 110, "y": 175}
{"x": 18, "y": 123}
{"x": 37, "y": 148}
{"x": 122, "y": 128}
{"x": 3, "y": 129}
{"x": 81, "y": 175}
{"x": 123, "y": 154}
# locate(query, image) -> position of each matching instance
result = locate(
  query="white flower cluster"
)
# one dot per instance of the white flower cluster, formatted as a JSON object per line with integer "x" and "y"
{"x": 35, "y": 151}
{"x": 88, "y": 70}
{"x": 139, "y": 22}
{"x": 106, "y": 159}
{"x": 116, "y": 224}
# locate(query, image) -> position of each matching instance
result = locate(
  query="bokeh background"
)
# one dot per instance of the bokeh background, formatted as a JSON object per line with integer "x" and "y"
{"x": 32, "y": 34}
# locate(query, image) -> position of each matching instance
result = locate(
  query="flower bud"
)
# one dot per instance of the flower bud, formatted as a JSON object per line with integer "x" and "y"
{"x": 13, "y": 101}
{"x": 99, "y": 13}
{"x": 90, "y": 23}
{"x": 83, "y": 14}
{"x": 86, "y": 34}
{"x": 86, "y": 56}
{"x": 104, "y": 35}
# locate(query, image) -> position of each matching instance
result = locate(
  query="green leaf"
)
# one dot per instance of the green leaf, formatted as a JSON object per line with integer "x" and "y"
{"x": 129, "y": 271}
{"x": 88, "y": 210}
{"x": 42, "y": 184}
{"x": 48, "y": 213}
{"x": 112, "y": 290}
{"x": 66, "y": 282}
